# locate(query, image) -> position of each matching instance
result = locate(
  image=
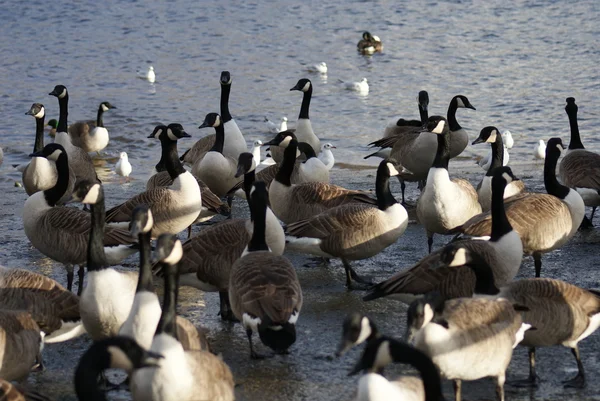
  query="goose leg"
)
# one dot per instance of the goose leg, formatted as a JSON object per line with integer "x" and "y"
{"x": 429, "y": 241}
{"x": 229, "y": 203}
{"x": 579, "y": 380}
{"x": 70, "y": 276}
{"x": 457, "y": 389}
{"x": 253, "y": 354}
{"x": 81, "y": 275}
{"x": 225, "y": 307}
{"x": 500, "y": 387}
{"x": 592, "y": 216}
{"x": 351, "y": 276}
{"x": 403, "y": 187}
{"x": 532, "y": 380}
{"x": 189, "y": 230}
{"x": 537, "y": 261}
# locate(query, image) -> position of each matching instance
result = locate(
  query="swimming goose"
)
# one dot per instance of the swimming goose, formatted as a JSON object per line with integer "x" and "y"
{"x": 89, "y": 137}
{"x": 580, "y": 168}
{"x": 111, "y": 353}
{"x": 123, "y": 167}
{"x": 15, "y": 392}
{"x": 484, "y": 189}
{"x": 21, "y": 343}
{"x": 208, "y": 257}
{"x": 385, "y": 350}
{"x": 320, "y": 67}
{"x": 326, "y": 155}
{"x": 539, "y": 150}
{"x": 353, "y": 231}
{"x": 444, "y": 203}
{"x": 211, "y": 203}
{"x": 544, "y": 221}
{"x": 562, "y": 313}
{"x": 108, "y": 296}
{"x": 503, "y": 252}
{"x": 295, "y": 202}
{"x": 174, "y": 208}
{"x": 79, "y": 160}
{"x": 369, "y": 44}
{"x": 181, "y": 375}
{"x": 61, "y": 233}
{"x": 264, "y": 290}
{"x": 216, "y": 169}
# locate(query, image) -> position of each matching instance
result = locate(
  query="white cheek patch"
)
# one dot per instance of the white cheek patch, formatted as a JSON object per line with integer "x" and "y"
{"x": 459, "y": 102}
{"x": 365, "y": 331}
{"x": 286, "y": 141}
{"x": 492, "y": 137}
{"x": 439, "y": 128}
{"x": 427, "y": 315}
{"x": 92, "y": 196}
{"x": 175, "y": 255}
{"x": 559, "y": 147}
{"x": 149, "y": 223}
{"x": 171, "y": 135}
{"x": 54, "y": 155}
{"x": 40, "y": 113}
{"x": 118, "y": 359}
{"x": 507, "y": 177}
{"x": 460, "y": 258}
{"x": 383, "y": 357}
{"x": 63, "y": 94}
{"x": 392, "y": 169}
{"x": 104, "y": 108}
{"x": 158, "y": 133}
{"x": 306, "y": 87}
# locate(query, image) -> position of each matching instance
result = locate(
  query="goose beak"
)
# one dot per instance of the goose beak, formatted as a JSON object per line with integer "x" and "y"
{"x": 470, "y": 106}
{"x": 476, "y": 141}
{"x": 204, "y": 125}
{"x": 184, "y": 134}
{"x": 272, "y": 142}
{"x": 240, "y": 171}
{"x": 53, "y": 93}
{"x": 344, "y": 346}
{"x": 29, "y": 113}
{"x": 404, "y": 170}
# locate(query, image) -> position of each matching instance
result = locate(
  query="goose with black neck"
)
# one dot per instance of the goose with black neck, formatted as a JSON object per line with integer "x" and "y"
{"x": 91, "y": 139}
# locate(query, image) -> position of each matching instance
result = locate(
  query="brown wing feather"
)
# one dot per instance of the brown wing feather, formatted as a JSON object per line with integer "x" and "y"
{"x": 328, "y": 195}
{"x": 15, "y": 392}
{"x": 192, "y": 338}
{"x": 581, "y": 169}
{"x": 199, "y": 149}
{"x": 122, "y": 212}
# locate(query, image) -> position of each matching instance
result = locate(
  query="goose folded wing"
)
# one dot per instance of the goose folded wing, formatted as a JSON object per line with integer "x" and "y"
{"x": 152, "y": 198}
{"x": 329, "y": 195}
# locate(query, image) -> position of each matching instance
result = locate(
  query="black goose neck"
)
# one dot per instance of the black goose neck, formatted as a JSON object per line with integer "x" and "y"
{"x": 305, "y": 103}
{"x": 167, "y": 323}
{"x": 258, "y": 214}
{"x": 219, "y": 139}
{"x": 225, "y": 90}
{"x": 451, "y": 116}
{"x": 442, "y": 155}
{"x": 385, "y": 198}
{"x": 39, "y": 135}
{"x": 497, "y": 155}
{"x": 249, "y": 179}
{"x": 500, "y": 223}
{"x": 96, "y": 258}
{"x": 170, "y": 158}
{"x": 553, "y": 187}
{"x": 54, "y": 194}
{"x": 432, "y": 381}
{"x": 484, "y": 277}
{"x": 575, "y": 142}
{"x": 88, "y": 371}
{"x": 63, "y": 106}
{"x": 308, "y": 150}
{"x": 99, "y": 121}
{"x": 145, "y": 278}
{"x": 284, "y": 175}
{"x": 424, "y": 114}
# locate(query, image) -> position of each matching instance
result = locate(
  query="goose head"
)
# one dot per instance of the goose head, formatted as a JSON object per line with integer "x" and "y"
{"x": 394, "y": 168}
{"x": 141, "y": 221}
{"x": 119, "y": 353}
{"x": 51, "y": 151}
{"x": 423, "y": 99}
{"x": 246, "y": 163}
{"x": 554, "y": 147}
{"x": 437, "y": 125}
{"x": 37, "y": 110}
{"x": 303, "y": 85}
{"x": 571, "y": 107}
{"x": 168, "y": 249}
{"x": 356, "y": 329}
{"x": 87, "y": 192}
{"x": 422, "y": 311}
{"x": 211, "y": 120}
{"x": 461, "y": 101}
{"x": 367, "y": 36}
{"x": 158, "y": 130}
{"x": 487, "y": 134}
{"x": 174, "y": 132}
{"x": 105, "y": 106}
{"x": 282, "y": 139}
{"x": 60, "y": 91}
{"x": 225, "y": 78}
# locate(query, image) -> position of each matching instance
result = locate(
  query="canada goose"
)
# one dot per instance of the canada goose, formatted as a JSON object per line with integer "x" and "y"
{"x": 503, "y": 252}
{"x": 361, "y": 86}
{"x": 211, "y": 203}
{"x": 304, "y": 131}
{"x": 466, "y": 338}
{"x": 21, "y": 342}
{"x": 114, "y": 352}
{"x": 544, "y": 221}
{"x": 369, "y": 44}
{"x": 326, "y": 155}
{"x": 295, "y": 202}
{"x": 79, "y": 160}
{"x": 123, "y": 167}
{"x": 353, "y": 231}
{"x": 539, "y": 150}
{"x": 89, "y": 137}
{"x": 40, "y": 174}
{"x": 53, "y": 124}
{"x": 180, "y": 375}
{"x": 320, "y": 68}
{"x": 385, "y": 350}
{"x": 264, "y": 290}
{"x": 486, "y": 162}
{"x": 61, "y": 233}
{"x": 580, "y": 168}
{"x": 400, "y": 125}
{"x": 310, "y": 170}
{"x": 174, "y": 208}
{"x": 562, "y": 313}
{"x": 444, "y": 203}
{"x": 198, "y": 150}
{"x": 108, "y": 296}
{"x": 484, "y": 189}
{"x": 208, "y": 257}
{"x": 357, "y": 329}
{"x": 15, "y": 392}
{"x": 216, "y": 169}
